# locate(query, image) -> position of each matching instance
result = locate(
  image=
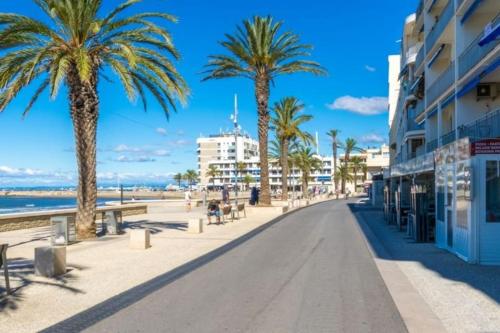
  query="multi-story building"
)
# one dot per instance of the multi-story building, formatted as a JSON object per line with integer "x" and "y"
{"x": 445, "y": 133}
{"x": 219, "y": 151}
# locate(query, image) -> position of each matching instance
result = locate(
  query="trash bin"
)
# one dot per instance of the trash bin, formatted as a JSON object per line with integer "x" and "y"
{"x": 63, "y": 230}
{"x": 112, "y": 222}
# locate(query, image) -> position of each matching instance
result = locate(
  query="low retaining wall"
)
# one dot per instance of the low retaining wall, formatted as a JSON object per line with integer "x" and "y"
{"x": 17, "y": 221}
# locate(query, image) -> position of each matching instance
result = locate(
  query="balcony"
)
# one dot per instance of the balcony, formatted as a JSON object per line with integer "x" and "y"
{"x": 411, "y": 125}
{"x": 448, "y": 138}
{"x": 442, "y": 83}
{"x": 474, "y": 53}
{"x": 419, "y": 108}
{"x": 420, "y": 57}
{"x": 432, "y": 145}
{"x": 440, "y": 25}
{"x": 483, "y": 128}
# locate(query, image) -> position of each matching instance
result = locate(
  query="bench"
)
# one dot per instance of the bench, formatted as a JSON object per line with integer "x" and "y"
{"x": 3, "y": 263}
{"x": 226, "y": 211}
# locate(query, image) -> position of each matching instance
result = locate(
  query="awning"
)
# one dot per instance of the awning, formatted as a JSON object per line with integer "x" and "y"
{"x": 432, "y": 113}
{"x": 448, "y": 100}
{"x": 403, "y": 72}
{"x": 472, "y": 8}
{"x": 415, "y": 84}
{"x": 491, "y": 33}
{"x": 432, "y": 5}
{"x": 435, "y": 56}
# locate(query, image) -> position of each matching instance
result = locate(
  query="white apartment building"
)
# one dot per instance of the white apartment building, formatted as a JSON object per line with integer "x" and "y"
{"x": 444, "y": 179}
{"x": 219, "y": 150}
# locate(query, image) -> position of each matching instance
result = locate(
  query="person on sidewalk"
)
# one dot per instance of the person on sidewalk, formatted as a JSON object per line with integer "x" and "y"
{"x": 225, "y": 195}
{"x": 213, "y": 210}
{"x": 187, "y": 199}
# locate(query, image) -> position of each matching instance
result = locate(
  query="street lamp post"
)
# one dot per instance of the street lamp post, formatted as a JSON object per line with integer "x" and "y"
{"x": 236, "y": 131}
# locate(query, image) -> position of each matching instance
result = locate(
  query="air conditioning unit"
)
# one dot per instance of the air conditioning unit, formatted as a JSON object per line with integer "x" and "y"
{"x": 487, "y": 90}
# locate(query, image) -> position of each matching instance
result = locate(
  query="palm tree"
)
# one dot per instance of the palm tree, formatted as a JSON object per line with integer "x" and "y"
{"x": 364, "y": 169}
{"x": 260, "y": 52}
{"x": 178, "y": 178}
{"x": 213, "y": 172}
{"x": 305, "y": 160}
{"x": 344, "y": 175}
{"x": 333, "y": 134}
{"x": 247, "y": 180}
{"x": 349, "y": 146}
{"x": 191, "y": 176}
{"x": 357, "y": 165}
{"x": 75, "y": 47}
{"x": 286, "y": 124}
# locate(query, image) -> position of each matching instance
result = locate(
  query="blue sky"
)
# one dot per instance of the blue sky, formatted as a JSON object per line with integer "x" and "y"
{"x": 352, "y": 39}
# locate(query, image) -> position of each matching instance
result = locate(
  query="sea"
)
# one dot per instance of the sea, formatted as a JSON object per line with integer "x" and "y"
{"x": 21, "y": 204}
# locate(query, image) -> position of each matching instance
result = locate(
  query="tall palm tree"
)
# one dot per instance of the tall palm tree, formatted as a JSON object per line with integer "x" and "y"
{"x": 364, "y": 169}
{"x": 357, "y": 165}
{"x": 306, "y": 161}
{"x": 333, "y": 134}
{"x": 213, "y": 172}
{"x": 349, "y": 146}
{"x": 191, "y": 176}
{"x": 74, "y": 48}
{"x": 259, "y": 51}
{"x": 178, "y": 178}
{"x": 344, "y": 175}
{"x": 286, "y": 123}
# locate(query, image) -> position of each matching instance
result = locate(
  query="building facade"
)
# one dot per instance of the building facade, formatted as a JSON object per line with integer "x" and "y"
{"x": 219, "y": 151}
{"x": 444, "y": 180}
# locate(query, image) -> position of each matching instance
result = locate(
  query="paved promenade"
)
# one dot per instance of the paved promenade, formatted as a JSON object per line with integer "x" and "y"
{"x": 100, "y": 269}
{"x": 310, "y": 272}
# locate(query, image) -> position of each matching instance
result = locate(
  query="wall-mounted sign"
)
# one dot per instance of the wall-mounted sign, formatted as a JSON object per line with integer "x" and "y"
{"x": 485, "y": 147}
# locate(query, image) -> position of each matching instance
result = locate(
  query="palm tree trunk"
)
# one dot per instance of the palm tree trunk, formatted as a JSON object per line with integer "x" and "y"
{"x": 262, "y": 97}
{"x": 84, "y": 103}
{"x": 335, "y": 164}
{"x": 284, "y": 169}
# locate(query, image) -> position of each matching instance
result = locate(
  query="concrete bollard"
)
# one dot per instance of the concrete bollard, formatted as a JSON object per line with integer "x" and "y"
{"x": 50, "y": 261}
{"x": 140, "y": 239}
{"x": 195, "y": 226}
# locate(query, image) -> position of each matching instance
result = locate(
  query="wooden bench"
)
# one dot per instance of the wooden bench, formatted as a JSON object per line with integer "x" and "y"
{"x": 226, "y": 211}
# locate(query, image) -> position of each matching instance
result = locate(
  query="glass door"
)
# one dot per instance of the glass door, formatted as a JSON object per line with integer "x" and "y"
{"x": 449, "y": 197}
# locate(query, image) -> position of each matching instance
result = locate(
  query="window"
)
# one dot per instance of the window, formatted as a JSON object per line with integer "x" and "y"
{"x": 493, "y": 191}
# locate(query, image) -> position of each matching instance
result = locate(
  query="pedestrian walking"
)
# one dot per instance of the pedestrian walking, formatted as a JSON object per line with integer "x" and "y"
{"x": 225, "y": 195}
{"x": 187, "y": 200}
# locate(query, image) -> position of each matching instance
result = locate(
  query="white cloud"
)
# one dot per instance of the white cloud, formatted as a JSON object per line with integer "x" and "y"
{"x": 161, "y": 131}
{"x": 143, "y": 151}
{"x": 363, "y": 105}
{"x": 133, "y": 177}
{"x": 179, "y": 143}
{"x": 10, "y": 175}
{"x": 370, "y": 68}
{"x": 138, "y": 159}
{"x": 180, "y": 132}
{"x": 372, "y": 138}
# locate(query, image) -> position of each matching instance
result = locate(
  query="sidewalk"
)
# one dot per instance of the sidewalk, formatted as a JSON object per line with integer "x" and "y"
{"x": 101, "y": 269}
{"x": 466, "y": 298}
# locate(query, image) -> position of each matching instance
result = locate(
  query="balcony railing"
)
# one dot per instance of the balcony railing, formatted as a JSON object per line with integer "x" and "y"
{"x": 474, "y": 53}
{"x": 440, "y": 25}
{"x": 432, "y": 145}
{"x": 420, "y": 57}
{"x": 483, "y": 128}
{"x": 442, "y": 83}
{"x": 448, "y": 138}
{"x": 411, "y": 125}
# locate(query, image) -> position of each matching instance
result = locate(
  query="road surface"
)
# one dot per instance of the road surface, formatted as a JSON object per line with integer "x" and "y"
{"x": 310, "y": 272}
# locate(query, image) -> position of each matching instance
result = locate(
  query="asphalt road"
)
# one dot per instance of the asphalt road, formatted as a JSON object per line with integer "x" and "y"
{"x": 310, "y": 272}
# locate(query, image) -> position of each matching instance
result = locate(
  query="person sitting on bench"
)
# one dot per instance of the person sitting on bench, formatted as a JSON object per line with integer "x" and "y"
{"x": 213, "y": 210}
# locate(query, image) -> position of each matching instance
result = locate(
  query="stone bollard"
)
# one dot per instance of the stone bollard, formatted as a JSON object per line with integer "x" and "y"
{"x": 139, "y": 239}
{"x": 195, "y": 226}
{"x": 50, "y": 261}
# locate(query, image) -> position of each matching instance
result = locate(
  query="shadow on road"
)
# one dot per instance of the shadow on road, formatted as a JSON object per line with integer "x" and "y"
{"x": 396, "y": 246}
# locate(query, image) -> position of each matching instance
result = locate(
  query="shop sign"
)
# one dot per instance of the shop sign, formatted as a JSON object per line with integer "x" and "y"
{"x": 486, "y": 147}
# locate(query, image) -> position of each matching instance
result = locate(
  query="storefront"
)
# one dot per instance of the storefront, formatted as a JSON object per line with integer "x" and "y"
{"x": 468, "y": 200}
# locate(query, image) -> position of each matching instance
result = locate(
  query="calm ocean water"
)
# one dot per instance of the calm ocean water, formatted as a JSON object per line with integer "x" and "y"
{"x": 31, "y": 204}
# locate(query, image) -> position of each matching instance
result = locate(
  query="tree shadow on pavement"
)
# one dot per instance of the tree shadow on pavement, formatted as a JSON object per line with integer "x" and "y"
{"x": 155, "y": 227}
{"x": 22, "y": 275}
{"x": 392, "y": 244}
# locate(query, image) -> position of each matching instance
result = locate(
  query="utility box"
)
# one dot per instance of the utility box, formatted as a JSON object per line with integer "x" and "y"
{"x": 63, "y": 230}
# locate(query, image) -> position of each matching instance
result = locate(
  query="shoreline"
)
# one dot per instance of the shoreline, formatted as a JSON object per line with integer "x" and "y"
{"x": 100, "y": 194}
